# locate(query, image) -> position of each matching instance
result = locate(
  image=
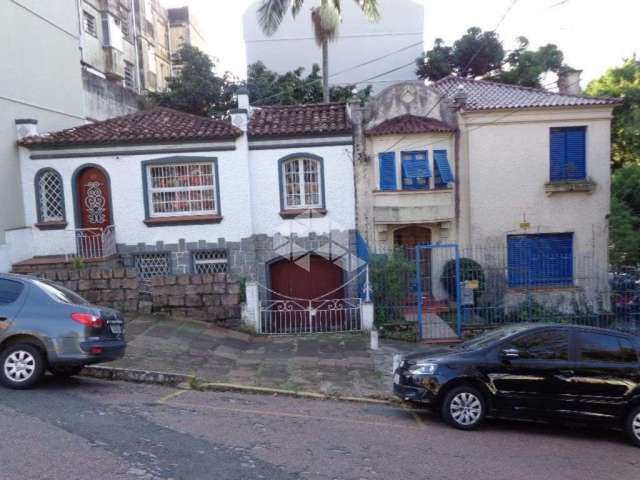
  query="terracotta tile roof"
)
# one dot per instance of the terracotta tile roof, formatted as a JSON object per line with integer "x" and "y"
{"x": 297, "y": 120}
{"x": 407, "y": 124}
{"x": 149, "y": 126}
{"x": 483, "y": 95}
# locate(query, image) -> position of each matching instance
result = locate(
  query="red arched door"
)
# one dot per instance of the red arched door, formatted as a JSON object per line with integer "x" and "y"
{"x": 94, "y": 198}
{"x": 406, "y": 240}
{"x": 94, "y": 208}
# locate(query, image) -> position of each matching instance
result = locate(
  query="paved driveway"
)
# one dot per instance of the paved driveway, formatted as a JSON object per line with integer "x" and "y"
{"x": 86, "y": 429}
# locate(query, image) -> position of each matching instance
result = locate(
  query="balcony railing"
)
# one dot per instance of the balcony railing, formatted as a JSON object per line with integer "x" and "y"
{"x": 95, "y": 242}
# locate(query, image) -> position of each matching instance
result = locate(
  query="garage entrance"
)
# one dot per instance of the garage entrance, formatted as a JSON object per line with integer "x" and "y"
{"x": 308, "y": 296}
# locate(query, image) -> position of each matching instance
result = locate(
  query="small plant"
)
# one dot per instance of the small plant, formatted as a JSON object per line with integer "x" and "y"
{"x": 78, "y": 263}
{"x": 469, "y": 270}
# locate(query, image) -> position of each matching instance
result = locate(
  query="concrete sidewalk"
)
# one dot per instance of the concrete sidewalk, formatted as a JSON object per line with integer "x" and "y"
{"x": 329, "y": 364}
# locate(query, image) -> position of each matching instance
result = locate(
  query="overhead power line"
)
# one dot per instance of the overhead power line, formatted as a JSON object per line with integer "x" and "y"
{"x": 373, "y": 60}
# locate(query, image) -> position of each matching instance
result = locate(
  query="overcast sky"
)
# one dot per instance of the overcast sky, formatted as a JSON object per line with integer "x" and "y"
{"x": 593, "y": 34}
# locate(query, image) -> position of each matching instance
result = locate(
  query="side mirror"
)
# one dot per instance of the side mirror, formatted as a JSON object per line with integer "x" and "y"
{"x": 510, "y": 353}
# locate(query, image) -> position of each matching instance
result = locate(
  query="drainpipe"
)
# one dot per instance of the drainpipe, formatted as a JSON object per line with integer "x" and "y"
{"x": 135, "y": 45}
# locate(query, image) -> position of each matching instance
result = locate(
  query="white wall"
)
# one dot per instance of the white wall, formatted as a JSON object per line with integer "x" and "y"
{"x": 128, "y": 201}
{"x": 248, "y": 206}
{"x": 338, "y": 183}
{"x": 40, "y": 79}
{"x": 401, "y": 24}
{"x": 508, "y": 168}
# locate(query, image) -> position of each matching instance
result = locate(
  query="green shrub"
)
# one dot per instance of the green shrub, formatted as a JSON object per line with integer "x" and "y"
{"x": 469, "y": 270}
{"x": 391, "y": 277}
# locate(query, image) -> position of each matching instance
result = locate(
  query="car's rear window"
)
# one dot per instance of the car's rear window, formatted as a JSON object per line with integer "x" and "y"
{"x": 60, "y": 294}
{"x": 9, "y": 291}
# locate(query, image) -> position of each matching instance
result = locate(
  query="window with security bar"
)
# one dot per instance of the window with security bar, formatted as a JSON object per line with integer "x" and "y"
{"x": 302, "y": 183}
{"x": 89, "y": 23}
{"x": 210, "y": 261}
{"x": 50, "y": 195}
{"x": 151, "y": 265}
{"x": 129, "y": 76}
{"x": 182, "y": 189}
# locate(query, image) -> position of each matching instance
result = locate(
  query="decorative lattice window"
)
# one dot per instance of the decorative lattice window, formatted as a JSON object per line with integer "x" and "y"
{"x": 182, "y": 189}
{"x": 210, "y": 261}
{"x": 151, "y": 265}
{"x": 49, "y": 191}
{"x": 302, "y": 183}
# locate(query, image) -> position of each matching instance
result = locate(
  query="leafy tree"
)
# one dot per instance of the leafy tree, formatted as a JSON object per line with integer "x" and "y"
{"x": 196, "y": 89}
{"x": 270, "y": 88}
{"x": 325, "y": 20}
{"x": 623, "y": 82}
{"x": 475, "y": 54}
{"x": 525, "y": 67}
{"x": 624, "y": 221}
{"x": 480, "y": 54}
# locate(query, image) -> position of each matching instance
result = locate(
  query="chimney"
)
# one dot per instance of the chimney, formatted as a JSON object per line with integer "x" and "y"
{"x": 26, "y": 127}
{"x": 243, "y": 99}
{"x": 240, "y": 115}
{"x": 569, "y": 81}
{"x": 460, "y": 97}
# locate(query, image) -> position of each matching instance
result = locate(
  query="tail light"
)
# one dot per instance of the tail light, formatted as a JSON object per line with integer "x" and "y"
{"x": 87, "y": 319}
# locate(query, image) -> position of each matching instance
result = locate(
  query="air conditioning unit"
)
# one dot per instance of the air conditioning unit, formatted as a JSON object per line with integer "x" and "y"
{"x": 114, "y": 64}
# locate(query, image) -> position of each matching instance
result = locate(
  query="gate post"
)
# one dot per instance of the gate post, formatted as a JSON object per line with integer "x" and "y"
{"x": 367, "y": 315}
{"x": 251, "y": 315}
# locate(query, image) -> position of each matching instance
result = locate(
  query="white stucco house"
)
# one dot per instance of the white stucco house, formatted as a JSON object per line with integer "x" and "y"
{"x": 517, "y": 177}
{"x": 172, "y": 193}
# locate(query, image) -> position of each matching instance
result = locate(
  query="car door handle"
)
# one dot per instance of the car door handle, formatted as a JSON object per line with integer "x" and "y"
{"x": 566, "y": 372}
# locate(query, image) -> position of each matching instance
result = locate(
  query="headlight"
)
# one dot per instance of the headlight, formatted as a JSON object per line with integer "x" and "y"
{"x": 423, "y": 368}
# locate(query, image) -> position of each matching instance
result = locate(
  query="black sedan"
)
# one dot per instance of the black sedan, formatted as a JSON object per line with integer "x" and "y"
{"x": 563, "y": 372}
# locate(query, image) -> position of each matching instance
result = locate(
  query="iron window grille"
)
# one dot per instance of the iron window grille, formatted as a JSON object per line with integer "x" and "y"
{"x": 210, "y": 261}
{"x": 302, "y": 186}
{"x": 182, "y": 189}
{"x": 89, "y": 22}
{"x": 50, "y": 197}
{"x": 129, "y": 79}
{"x": 151, "y": 265}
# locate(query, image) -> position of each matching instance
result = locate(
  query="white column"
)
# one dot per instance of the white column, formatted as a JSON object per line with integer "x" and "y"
{"x": 251, "y": 314}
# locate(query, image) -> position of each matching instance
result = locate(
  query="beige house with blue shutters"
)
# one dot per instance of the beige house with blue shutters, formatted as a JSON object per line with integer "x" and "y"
{"x": 520, "y": 172}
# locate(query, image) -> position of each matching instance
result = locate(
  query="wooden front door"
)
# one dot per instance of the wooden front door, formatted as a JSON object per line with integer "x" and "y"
{"x": 94, "y": 199}
{"x": 406, "y": 239}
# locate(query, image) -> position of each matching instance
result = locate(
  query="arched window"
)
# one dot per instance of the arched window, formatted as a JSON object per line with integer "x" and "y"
{"x": 49, "y": 196}
{"x": 302, "y": 183}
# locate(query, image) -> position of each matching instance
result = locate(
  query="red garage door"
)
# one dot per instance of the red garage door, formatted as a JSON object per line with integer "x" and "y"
{"x": 307, "y": 297}
{"x": 310, "y": 278}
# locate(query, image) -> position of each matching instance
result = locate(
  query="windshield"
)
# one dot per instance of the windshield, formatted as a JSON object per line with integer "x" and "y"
{"x": 60, "y": 294}
{"x": 491, "y": 337}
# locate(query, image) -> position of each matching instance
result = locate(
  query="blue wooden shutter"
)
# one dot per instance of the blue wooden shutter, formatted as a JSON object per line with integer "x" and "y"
{"x": 576, "y": 153}
{"x": 387, "y": 171}
{"x": 535, "y": 260}
{"x": 442, "y": 164}
{"x": 558, "y": 154}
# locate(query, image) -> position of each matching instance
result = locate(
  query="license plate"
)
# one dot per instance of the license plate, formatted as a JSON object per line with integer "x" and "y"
{"x": 116, "y": 329}
{"x": 396, "y": 378}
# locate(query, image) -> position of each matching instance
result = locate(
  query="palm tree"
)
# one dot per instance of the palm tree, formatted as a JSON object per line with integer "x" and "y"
{"x": 325, "y": 19}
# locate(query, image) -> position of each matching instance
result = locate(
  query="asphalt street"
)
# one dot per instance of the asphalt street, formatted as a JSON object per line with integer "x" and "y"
{"x": 90, "y": 429}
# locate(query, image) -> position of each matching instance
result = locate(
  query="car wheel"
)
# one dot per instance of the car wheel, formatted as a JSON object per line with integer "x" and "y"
{"x": 21, "y": 366}
{"x": 64, "y": 371}
{"x": 632, "y": 426}
{"x": 464, "y": 408}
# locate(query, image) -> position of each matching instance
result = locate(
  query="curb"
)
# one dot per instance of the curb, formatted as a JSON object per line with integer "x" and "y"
{"x": 138, "y": 376}
{"x": 190, "y": 382}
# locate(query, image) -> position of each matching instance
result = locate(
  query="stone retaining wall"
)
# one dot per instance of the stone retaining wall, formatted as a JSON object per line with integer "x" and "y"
{"x": 210, "y": 297}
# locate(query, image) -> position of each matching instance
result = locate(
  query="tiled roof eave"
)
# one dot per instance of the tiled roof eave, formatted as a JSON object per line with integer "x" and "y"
{"x": 47, "y": 145}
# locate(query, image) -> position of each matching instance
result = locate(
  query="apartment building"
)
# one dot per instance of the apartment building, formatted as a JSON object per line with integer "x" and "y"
{"x": 183, "y": 29}
{"x": 126, "y": 50}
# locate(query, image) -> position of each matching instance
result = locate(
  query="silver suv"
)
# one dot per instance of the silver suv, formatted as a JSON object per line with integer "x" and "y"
{"x": 44, "y": 326}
